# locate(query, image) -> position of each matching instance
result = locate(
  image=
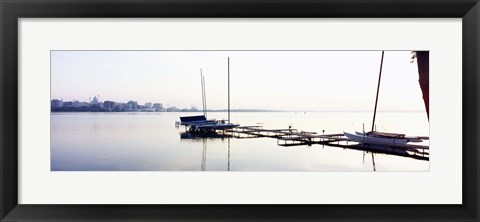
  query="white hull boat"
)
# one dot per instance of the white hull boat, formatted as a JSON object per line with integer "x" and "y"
{"x": 413, "y": 139}
{"x": 375, "y": 139}
{"x": 213, "y": 125}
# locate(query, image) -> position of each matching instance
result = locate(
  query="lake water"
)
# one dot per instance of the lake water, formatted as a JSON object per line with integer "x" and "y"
{"x": 151, "y": 142}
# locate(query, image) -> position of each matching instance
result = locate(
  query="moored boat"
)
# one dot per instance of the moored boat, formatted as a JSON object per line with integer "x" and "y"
{"x": 200, "y": 122}
{"x": 213, "y": 125}
{"x": 414, "y": 139}
{"x": 188, "y": 120}
{"x": 374, "y": 139}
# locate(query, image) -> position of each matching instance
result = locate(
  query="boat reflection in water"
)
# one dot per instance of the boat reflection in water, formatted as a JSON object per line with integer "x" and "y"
{"x": 204, "y": 136}
{"x": 372, "y": 145}
{"x": 194, "y": 135}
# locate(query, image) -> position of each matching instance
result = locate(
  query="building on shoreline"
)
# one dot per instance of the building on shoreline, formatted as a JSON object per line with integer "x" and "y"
{"x": 95, "y": 105}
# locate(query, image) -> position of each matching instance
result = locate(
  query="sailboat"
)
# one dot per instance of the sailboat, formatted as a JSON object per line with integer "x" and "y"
{"x": 200, "y": 122}
{"x": 377, "y": 138}
{"x": 382, "y": 138}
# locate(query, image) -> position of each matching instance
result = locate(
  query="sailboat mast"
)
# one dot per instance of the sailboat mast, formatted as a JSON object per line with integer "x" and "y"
{"x": 229, "y": 90}
{"x": 203, "y": 96}
{"x": 378, "y": 89}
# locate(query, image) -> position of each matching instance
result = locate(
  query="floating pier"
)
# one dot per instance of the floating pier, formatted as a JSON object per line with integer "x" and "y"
{"x": 294, "y": 137}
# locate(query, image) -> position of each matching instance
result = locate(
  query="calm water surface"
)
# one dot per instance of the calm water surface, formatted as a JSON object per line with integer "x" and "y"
{"x": 151, "y": 142}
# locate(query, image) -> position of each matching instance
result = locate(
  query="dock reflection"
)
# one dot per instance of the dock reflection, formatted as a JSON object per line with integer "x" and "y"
{"x": 204, "y": 137}
{"x": 371, "y": 149}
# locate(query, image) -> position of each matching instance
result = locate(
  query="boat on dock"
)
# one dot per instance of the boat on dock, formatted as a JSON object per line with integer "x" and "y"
{"x": 200, "y": 123}
{"x": 382, "y": 138}
{"x": 413, "y": 139}
{"x": 212, "y": 125}
{"x": 375, "y": 139}
{"x": 187, "y": 120}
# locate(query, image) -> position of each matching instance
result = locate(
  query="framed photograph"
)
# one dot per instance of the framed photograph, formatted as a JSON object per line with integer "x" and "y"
{"x": 225, "y": 110}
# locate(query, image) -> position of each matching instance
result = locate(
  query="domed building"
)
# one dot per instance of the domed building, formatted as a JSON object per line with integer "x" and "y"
{"x": 95, "y": 100}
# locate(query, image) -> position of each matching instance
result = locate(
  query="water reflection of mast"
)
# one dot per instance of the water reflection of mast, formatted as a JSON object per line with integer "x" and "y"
{"x": 228, "y": 166}
{"x": 373, "y": 161}
{"x": 204, "y": 155}
{"x": 363, "y": 157}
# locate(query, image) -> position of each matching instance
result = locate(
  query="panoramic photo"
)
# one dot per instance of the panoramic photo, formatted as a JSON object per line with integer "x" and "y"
{"x": 240, "y": 110}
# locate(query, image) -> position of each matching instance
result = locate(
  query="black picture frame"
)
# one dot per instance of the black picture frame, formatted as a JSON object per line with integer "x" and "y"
{"x": 12, "y": 10}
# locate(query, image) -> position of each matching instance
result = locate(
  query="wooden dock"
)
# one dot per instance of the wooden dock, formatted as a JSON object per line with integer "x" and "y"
{"x": 294, "y": 137}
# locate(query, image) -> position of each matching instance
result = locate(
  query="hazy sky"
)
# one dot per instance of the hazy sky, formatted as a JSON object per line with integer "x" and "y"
{"x": 275, "y": 80}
